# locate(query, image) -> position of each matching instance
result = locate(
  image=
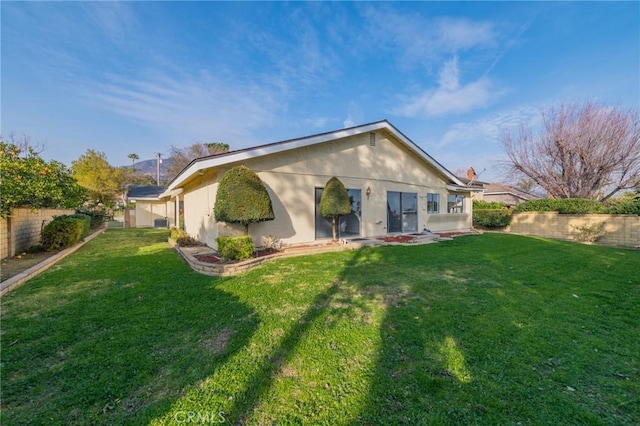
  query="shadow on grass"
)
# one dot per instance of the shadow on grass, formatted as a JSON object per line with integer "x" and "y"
{"x": 120, "y": 340}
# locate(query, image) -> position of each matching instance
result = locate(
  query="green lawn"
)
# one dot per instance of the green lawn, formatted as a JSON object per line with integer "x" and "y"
{"x": 490, "y": 329}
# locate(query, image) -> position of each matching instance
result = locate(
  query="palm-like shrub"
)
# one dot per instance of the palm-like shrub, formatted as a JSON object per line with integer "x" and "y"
{"x": 334, "y": 203}
{"x": 242, "y": 198}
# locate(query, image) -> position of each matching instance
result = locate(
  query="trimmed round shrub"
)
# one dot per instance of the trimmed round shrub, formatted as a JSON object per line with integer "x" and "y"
{"x": 236, "y": 248}
{"x": 62, "y": 232}
{"x": 242, "y": 198}
{"x": 334, "y": 202}
{"x": 491, "y": 218}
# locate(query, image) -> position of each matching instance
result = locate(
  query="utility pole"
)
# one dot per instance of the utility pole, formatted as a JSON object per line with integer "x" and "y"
{"x": 158, "y": 161}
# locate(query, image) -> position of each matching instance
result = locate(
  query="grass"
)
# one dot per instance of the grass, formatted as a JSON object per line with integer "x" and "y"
{"x": 491, "y": 329}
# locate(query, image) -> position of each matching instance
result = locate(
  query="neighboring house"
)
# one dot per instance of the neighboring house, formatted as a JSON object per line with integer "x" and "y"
{"x": 151, "y": 211}
{"x": 395, "y": 187}
{"x": 506, "y": 194}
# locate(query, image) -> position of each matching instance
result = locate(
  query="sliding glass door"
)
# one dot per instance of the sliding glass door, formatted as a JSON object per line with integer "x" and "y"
{"x": 402, "y": 211}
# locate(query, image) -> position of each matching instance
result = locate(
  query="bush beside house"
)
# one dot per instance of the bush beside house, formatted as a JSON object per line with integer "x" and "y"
{"x": 490, "y": 214}
{"x": 242, "y": 199}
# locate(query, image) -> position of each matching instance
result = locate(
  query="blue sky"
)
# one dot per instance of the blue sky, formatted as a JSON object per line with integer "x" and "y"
{"x": 139, "y": 77}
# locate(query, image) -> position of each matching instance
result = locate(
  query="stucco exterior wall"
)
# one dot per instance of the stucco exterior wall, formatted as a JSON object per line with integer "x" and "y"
{"x": 199, "y": 198}
{"x": 22, "y": 229}
{"x": 292, "y": 176}
{"x": 621, "y": 230}
{"x": 147, "y": 211}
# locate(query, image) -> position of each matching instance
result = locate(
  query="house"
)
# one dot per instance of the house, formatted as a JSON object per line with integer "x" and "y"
{"x": 151, "y": 210}
{"x": 506, "y": 194}
{"x": 394, "y": 186}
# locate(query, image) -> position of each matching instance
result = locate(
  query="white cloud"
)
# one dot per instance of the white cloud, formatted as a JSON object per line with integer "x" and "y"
{"x": 450, "y": 96}
{"x": 422, "y": 40}
{"x": 191, "y": 107}
{"x": 355, "y": 115}
{"x": 486, "y": 129}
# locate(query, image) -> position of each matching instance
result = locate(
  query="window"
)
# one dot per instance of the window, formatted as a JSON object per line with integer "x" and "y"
{"x": 349, "y": 225}
{"x": 433, "y": 203}
{"x": 455, "y": 203}
{"x": 402, "y": 211}
{"x": 372, "y": 139}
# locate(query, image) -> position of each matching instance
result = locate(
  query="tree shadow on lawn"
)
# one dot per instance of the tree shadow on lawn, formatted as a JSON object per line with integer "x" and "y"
{"x": 132, "y": 333}
{"x": 503, "y": 350}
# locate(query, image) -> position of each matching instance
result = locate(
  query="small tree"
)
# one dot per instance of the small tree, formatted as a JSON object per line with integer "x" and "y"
{"x": 242, "y": 198}
{"x": 103, "y": 181}
{"x": 26, "y": 180}
{"x": 334, "y": 203}
{"x": 581, "y": 151}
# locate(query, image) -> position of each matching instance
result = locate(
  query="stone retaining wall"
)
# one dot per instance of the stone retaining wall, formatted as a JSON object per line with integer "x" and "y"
{"x": 620, "y": 230}
{"x": 22, "y": 229}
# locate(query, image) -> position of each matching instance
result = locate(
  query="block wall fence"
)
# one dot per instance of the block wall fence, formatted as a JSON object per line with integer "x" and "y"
{"x": 22, "y": 229}
{"x": 620, "y": 230}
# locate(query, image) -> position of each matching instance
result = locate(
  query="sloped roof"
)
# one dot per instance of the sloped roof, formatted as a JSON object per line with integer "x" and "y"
{"x": 203, "y": 163}
{"x": 499, "y": 188}
{"x": 145, "y": 192}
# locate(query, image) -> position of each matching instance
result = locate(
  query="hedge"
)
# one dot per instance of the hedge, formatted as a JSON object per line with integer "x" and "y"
{"x": 562, "y": 206}
{"x": 491, "y": 218}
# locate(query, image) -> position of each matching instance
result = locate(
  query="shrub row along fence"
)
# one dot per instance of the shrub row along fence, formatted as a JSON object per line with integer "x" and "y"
{"x": 616, "y": 223}
{"x": 23, "y": 227}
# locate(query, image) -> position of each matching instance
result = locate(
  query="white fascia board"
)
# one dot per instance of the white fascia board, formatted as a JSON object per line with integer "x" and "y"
{"x": 144, "y": 199}
{"x": 463, "y": 188}
{"x": 171, "y": 193}
{"x": 207, "y": 163}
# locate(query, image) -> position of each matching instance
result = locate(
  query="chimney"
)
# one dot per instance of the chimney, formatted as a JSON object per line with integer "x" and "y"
{"x": 471, "y": 174}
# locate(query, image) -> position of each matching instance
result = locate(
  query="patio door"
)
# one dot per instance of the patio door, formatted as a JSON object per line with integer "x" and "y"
{"x": 402, "y": 211}
{"x": 348, "y": 226}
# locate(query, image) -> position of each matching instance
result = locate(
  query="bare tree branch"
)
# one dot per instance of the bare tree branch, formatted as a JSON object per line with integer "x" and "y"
{"x": 581, "y": 151}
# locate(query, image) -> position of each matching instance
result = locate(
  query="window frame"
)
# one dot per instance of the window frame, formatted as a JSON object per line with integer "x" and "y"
{"x": 457, "y": 205}
{"x": 433, "y": 203}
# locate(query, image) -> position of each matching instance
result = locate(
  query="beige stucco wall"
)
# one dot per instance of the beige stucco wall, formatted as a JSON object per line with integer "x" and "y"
{"x": 621, "y": 230}
{"x": 292, "y": 176}
{"x": 147, "y": 211}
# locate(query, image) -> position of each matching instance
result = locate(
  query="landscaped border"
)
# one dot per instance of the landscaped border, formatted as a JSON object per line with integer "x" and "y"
{"x": 17, "y": 280}
{"x": 222, "y": 270}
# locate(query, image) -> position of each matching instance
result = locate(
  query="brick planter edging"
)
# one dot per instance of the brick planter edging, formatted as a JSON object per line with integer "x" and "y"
{"x": 224, "y": 270}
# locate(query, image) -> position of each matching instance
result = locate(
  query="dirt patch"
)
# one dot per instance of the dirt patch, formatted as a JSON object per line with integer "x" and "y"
{"x": 451, "y": 234}
{"x": 397, "y": 238}
{"x": 13, "y": 266}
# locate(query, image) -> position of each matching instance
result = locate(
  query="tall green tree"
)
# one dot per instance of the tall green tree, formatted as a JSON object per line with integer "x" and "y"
{"x": 104, "y": 183}
{"x": 242, "y": 198}
{"x": 26, "y": 180}
{"x": 334, "y": 203}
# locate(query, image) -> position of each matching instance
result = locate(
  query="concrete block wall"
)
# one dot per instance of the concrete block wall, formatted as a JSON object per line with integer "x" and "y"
{"x": 22, "y": 229}
{"x": 620, "y": 230}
